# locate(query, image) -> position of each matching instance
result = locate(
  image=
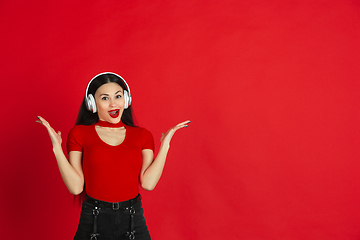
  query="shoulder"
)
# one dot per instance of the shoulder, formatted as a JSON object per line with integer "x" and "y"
{"x": 79, "y": 130}
{"x": 81, "y": 127}
{"x": 141, "y": 136}
{"x": 138, "y": 130}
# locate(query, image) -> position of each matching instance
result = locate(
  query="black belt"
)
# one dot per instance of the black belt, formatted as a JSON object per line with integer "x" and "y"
{"x": 114, "y": 206}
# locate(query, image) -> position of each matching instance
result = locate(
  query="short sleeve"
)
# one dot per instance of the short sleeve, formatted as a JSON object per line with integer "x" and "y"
{"x": 147, "y": 140}
{"x": 74, "y": 141}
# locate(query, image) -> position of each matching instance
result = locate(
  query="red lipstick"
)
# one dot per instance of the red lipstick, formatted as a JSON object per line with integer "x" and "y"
{"x": 114, "y": 113}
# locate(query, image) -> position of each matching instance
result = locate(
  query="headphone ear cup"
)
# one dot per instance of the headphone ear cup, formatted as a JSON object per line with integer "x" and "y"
{"x": 91, "y": 105}
{"x": 127, "y": 99}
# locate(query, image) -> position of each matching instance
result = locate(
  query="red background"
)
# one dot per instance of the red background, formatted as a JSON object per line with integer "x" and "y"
{"x": 271, "y": 87}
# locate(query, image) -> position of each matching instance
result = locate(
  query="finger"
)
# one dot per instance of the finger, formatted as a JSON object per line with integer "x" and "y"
{"x": 38, "y": 121}
{"x": 42, "y": 120}
{"x": 59, "y": 133}
{"x": 184, "y": 123}
{"x": 174, "y": 129}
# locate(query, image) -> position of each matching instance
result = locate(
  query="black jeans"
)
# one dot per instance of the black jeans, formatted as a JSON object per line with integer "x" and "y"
{"x": 105, "y": 221}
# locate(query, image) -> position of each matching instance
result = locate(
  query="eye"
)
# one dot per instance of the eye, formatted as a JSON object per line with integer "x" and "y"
{"x": 104, "y": 98}
{"x": 118, "y": 96}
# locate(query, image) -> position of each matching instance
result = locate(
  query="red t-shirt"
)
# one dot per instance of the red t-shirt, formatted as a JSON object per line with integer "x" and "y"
{"x": 111, "y": 173}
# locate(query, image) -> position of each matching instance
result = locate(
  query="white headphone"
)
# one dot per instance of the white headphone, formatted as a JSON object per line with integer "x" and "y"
{"x": 90, "y": 100}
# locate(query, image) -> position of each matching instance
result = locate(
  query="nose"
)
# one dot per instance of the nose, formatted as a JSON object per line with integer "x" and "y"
{"x": 112, "y": 102}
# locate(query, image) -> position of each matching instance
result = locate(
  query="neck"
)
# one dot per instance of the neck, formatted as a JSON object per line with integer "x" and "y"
{"x": 110, "y": 125}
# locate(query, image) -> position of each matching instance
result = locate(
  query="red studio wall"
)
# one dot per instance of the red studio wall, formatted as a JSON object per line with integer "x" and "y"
{"x": 271, "y": 87}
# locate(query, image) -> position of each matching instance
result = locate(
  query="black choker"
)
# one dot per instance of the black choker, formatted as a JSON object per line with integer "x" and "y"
{"x": 110, "y": 125}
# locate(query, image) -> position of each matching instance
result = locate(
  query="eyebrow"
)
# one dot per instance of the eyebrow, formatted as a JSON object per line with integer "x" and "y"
{"x": 108, "y": 94}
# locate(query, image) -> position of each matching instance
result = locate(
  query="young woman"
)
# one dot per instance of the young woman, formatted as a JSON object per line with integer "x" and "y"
{"x": 108, "y": 158}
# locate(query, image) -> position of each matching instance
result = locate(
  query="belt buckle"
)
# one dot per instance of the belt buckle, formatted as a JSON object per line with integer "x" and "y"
{"x": 115, "y": 206}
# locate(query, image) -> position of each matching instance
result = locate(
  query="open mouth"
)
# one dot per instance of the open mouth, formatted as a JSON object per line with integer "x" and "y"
{"x": 114, "y": 113}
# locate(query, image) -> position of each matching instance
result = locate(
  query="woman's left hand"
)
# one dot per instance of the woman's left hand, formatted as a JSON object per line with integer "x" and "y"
{"x": 166, "y": 137}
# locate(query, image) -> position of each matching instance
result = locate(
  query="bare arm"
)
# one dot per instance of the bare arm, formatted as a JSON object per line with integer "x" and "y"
{"x": 152, "y": 169}
{"x": 71, "y": 171}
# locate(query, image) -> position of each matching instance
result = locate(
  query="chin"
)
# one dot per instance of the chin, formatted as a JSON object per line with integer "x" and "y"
{"x": 110, "y": 119}
{"x": 114, "y": 120}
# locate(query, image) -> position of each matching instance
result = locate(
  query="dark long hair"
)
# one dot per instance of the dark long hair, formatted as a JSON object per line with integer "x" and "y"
{"x": 86, "y": 117}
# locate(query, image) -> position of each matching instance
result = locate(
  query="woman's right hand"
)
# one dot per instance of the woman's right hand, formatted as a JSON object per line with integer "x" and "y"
{"x": 54, "y": 136}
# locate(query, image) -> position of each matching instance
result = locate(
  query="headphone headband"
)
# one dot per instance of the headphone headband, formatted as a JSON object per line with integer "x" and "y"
{"x": 103, "y": 73}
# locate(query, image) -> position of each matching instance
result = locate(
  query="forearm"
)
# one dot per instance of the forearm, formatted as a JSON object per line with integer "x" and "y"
{"x": 72, "y": 179}
{"x": 152, "y": 174}
{"x": 152, "y": 169}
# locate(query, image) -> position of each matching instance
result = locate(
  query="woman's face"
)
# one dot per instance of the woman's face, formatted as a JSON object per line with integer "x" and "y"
{"x": 110, "y": 102}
